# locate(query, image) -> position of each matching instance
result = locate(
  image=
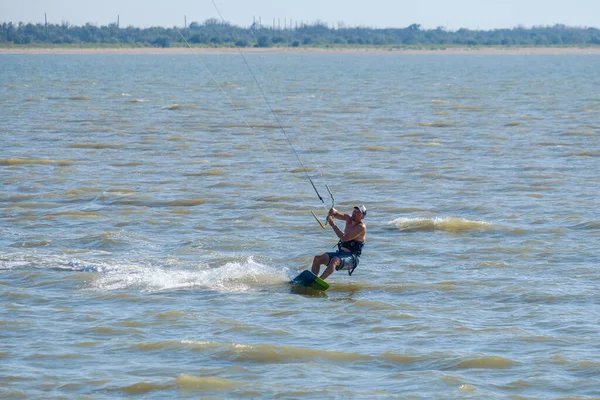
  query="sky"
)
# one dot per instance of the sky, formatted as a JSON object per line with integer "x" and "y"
{"x": 430, "y": 14}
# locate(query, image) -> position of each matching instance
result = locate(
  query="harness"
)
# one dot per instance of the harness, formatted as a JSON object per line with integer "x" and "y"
{"x": 355, "y": 247}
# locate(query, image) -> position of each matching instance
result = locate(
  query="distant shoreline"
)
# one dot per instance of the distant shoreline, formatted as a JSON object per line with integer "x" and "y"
{"x": 484, "y": 50}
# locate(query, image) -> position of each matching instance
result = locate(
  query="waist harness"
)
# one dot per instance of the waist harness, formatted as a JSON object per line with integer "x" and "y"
{"x": 355, "y": 246}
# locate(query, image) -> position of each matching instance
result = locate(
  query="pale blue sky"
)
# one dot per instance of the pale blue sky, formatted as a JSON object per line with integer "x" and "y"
{"x": 452, "y": 14}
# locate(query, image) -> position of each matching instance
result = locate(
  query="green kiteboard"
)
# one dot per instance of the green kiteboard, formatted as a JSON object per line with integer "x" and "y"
{"x": 308, "y": 279}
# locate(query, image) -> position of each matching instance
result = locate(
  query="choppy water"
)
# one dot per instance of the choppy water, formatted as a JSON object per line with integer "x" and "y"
{"x": 147, "y": 235}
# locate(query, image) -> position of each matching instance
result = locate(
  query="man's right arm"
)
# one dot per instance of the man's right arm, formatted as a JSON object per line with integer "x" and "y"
{"x": 338, "y": 215}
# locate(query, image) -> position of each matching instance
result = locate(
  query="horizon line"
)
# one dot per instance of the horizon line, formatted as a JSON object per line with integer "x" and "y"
{"x": 302, "y": 24}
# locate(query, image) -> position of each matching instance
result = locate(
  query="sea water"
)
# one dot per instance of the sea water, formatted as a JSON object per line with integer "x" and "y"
{"x": 153, "y": 209}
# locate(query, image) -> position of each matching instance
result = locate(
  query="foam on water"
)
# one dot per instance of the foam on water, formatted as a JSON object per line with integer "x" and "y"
{"x": 448, "y": 224}
{"x": 242, "y": 276}
{"x": 13, "y": 264}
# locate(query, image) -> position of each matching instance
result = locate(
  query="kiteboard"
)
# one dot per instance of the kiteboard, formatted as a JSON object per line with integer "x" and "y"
{"x": 310, "y": 280}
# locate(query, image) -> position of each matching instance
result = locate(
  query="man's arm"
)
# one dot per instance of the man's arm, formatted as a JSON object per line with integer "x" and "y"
{"x": 352, "y": 233}
{"x": 336, "y": 214}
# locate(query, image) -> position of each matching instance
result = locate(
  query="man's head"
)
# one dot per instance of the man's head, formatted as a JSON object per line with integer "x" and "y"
{"x": 359, "y": 211}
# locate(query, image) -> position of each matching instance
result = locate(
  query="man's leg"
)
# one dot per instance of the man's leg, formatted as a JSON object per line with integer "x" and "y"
{"x": 319, "y": 260}
{"x": 335, "y": 261}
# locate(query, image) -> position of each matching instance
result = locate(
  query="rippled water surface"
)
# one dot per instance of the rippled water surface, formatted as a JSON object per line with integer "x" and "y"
{"x": 152, "y": 212}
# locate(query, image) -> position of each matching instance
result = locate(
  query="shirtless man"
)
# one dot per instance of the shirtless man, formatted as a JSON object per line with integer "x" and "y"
{"x": 350, "y": 244}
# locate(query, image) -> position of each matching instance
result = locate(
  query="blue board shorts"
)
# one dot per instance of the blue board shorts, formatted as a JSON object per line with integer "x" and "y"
{"x": 348, "y": 261}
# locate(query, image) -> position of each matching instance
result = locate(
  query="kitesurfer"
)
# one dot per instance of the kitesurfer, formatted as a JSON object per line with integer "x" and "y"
{"x": 352, "y": 240}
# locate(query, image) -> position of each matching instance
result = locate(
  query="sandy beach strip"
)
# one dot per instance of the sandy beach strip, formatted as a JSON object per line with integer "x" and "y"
{"x": 303, "y": 50}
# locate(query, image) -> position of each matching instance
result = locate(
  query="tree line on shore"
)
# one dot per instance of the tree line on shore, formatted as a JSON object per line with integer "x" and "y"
{"x": 214, "y": 33}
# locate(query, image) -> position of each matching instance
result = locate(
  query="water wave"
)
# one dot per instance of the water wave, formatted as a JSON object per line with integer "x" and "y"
{"x": 180, "y": 203}
{"x": 188, "y": 381}
{"x": 302, "y": 170}
{"x": 242, "y": 276}
{"x": 32, "y": 243}
{"x": 341, "y": 110}
{"x": 75, "y": 214}
{"x": 374, "y": 305}
{"x": 465, "y": 387}
{"x": 579, "y": 133}
{"x": 36, "y": 205}
{"x": 378, "y": 148}
{"x": 23, "y": 161}
{"x": 270, "y": 353}
{"x": 494, "y": 362}
{"x": 447, "y": 224}
{"x": 588, "y": 225}
{"x": 263, "y": 125}
{"x": 466, "y": 108}
{"x": 179, "y": 106}
{"x": 439, "y": 124}
{"x": 80, "y": 98}
{"x": 13, "y": 198}
{"x": 143, "y": 388}
{"x": 275, "y": 199}
{"x": 95, "y": 145}
{"x": 128, "y": 164}
{"x": 6, "y": 263}
{"x": 240, "y": 327}
{"x": 111, "y": 240}
{"x": 129, "y": 200}
{"x": 210, "y": 172}
{"x": 177, "y": 138}
{"x": 590, "y": 153}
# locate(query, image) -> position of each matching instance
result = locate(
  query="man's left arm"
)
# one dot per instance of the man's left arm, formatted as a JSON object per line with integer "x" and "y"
{"x": 352, "y": 233}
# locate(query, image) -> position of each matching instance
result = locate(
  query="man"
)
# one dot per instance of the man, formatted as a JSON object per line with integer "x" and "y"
{"x": 350, "y": 244}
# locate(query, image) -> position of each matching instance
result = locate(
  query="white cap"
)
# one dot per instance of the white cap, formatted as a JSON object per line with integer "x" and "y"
{"x": 362, "y": 209}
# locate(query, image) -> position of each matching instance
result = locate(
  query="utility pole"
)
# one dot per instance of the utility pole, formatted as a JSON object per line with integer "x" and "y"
{"x": 46, "y": 24}
{"x": 118, "y": 20}
{"x": 184, "y": 21}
